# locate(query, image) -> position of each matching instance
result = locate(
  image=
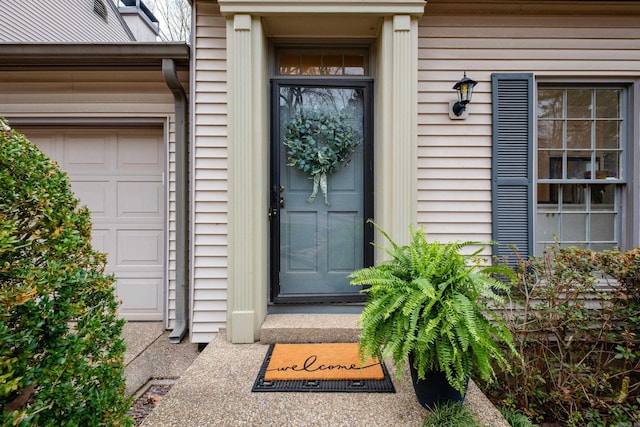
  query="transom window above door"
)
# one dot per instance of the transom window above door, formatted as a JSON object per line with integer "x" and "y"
{"x": 314, "y": 62}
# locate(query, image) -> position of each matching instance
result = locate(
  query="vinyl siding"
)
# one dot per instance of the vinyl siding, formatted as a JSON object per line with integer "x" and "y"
{"x": 454, "y": 156}
{"x": 210, "y": 186}
{"x": 60, "y": 21}
{"x": 86, "y": 97}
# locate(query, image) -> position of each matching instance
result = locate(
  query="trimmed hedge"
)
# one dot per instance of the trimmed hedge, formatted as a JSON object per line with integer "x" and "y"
{"x": 61, "y": 351}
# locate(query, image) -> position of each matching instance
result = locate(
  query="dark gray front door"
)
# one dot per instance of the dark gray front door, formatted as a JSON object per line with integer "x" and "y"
{"x": 321, "y": 191}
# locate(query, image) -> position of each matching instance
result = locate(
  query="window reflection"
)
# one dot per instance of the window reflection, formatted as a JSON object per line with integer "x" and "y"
{"x": 314, "y": 64}
{"x": 579, "y": 168}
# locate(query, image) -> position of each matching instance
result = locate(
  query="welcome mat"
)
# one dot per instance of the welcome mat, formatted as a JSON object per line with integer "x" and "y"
{"x": 331, "y": 367}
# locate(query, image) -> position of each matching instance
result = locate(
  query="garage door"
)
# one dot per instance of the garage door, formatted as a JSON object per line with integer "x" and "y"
{"x": 118, "y": 174}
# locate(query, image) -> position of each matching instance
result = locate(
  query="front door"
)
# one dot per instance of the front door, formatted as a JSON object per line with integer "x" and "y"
{"x": 321, "y": 189}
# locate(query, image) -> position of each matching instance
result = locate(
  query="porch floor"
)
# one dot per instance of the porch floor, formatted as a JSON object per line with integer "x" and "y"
{"x": 216, "y": 390}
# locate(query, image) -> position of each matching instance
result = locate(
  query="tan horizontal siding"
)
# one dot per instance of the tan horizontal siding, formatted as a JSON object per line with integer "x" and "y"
{"x": 210, "y": 183}
{"x": 454, "y": 156}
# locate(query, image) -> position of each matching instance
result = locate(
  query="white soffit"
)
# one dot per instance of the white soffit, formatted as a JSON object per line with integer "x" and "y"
{"x": 348, "y": 26}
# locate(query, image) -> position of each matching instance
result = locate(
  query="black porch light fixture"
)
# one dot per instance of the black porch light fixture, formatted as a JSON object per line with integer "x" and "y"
{"x": 465, "y": 90}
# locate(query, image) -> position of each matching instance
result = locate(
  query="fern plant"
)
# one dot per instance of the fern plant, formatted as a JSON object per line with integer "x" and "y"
{"x": 430, "y": 300}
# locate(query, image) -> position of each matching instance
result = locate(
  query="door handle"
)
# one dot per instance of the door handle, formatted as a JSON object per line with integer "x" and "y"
{"x": 282, "y": 197}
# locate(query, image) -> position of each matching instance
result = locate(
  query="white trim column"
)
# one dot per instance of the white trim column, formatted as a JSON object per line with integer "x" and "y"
{"x": 248, "y": 154}
{"x": 396, "y": 126}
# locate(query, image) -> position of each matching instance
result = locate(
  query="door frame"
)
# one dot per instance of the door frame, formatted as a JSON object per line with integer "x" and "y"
{"x": 366, "y": 84}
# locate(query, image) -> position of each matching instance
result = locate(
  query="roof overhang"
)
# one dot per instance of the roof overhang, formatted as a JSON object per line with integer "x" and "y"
{"x": 120, "y": 55}
{"x": 323, "y": 7}
{"x": 327, "y": 18}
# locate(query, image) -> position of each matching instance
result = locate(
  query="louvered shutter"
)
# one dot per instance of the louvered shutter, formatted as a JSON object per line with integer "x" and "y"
{"x": 512, "y": 165}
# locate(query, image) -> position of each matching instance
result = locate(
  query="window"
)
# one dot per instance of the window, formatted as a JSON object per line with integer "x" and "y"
{"x": 305, "y": 62}
{"x": 570, "y": 183}
{"x": 579, "y": 178}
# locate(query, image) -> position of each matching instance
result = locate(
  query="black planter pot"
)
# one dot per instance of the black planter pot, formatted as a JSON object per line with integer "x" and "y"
{"x": 434, "y": 388}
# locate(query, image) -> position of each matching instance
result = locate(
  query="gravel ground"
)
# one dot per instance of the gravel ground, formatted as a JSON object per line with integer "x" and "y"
{"x": 147, "y": 402}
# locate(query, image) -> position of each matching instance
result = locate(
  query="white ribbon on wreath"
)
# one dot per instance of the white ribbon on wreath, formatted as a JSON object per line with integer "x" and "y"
{"x": 319, "y": 143}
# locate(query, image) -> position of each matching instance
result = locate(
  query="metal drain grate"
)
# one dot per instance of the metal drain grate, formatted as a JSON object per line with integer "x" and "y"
{"x": 148, "y": 397}
{"x": 343, "y": 386}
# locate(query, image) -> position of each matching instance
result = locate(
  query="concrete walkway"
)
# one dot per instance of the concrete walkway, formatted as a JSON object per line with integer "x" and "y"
{"x": 150, "y": 356}
{"x": 216, "y": 391}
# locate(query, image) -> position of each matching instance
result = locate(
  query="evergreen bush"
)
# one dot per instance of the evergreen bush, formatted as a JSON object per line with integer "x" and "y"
{"x": 61, "y": 351}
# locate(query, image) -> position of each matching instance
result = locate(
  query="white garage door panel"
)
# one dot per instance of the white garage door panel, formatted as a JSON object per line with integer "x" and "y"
{"x": 142, "y": 297}
{"x": 86, "y": 152}
{"x": 138, "y": 198}
{"x": 99, "y": 239}
{"x": 95, "y": 195}
{"x": 118, "y": 174}
{"x": 145, "y": 155}
{"x": 46, "y": 143}
{"x": 139, "y": 248}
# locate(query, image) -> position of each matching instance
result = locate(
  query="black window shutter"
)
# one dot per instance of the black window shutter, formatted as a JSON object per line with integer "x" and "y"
{"x": 512, "y": 165}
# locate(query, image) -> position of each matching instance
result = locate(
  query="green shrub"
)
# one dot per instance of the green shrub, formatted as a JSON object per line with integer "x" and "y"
{"x": 576, "y": 320}
{"x": 61, "y": 351}
{"x": 515, "y": 418}
{"x": 450, "y": 414}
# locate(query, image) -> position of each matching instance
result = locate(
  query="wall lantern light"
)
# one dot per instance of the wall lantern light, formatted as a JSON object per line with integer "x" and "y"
{"x": 458, "y": 109}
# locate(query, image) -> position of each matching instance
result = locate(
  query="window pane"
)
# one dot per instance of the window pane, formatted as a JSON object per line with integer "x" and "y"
{"x": 547, "y": 197}
{"x": 289, "y": 65}
{"x": 608, "y": 134}
{"x": 573, "y": 196}
{"x": 608, "y": 103}
{"x": 550, "y": 164}
{"x": 548, "y": 227}
{"x": 579, "y": 103}
{"x": 609, "y": 165}
{"x": 317, "y": 61}
{"x": 550, "y": 103}
{"x": 603, "y": 246}
{"x": 579, "y": 165}
{"x": 311, "y": 65}
{"x": 603, "y": 197}
{"x": 550, "y": 134}
{"x": 603, "y": 227}
{"x": 579, "y": 134}
{"x": 332, "y": 65}
{"x": 574, "y": 227}
{"x": 354, "y": 65}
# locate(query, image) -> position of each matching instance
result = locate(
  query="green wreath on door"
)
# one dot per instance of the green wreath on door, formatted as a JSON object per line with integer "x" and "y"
{"x": 319, "y": 143}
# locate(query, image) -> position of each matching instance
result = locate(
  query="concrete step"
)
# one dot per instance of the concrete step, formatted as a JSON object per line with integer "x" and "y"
{"x": 302, "y": 328}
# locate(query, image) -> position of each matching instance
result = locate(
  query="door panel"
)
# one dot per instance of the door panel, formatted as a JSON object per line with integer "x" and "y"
{"x": 316, "y": 244}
